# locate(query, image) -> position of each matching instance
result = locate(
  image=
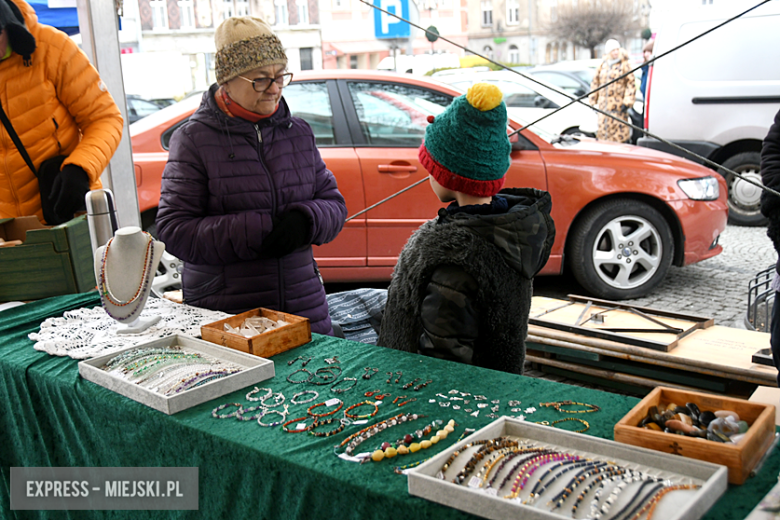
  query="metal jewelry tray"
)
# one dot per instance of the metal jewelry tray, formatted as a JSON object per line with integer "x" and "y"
{"x": 677, "y": 505}
{"x": 256, "y": 369}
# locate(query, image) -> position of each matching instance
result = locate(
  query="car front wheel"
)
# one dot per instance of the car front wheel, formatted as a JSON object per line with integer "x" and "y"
{"x": 744, "y": 197}
{"x": 620, "y": 249}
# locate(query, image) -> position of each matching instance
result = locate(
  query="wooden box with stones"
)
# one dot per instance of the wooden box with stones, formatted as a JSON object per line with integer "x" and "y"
{"x": 517, "y": 469}
{"x": 295, "y": 332}
{"x": 723, "y": 430}
{"x": 175, "y": 373}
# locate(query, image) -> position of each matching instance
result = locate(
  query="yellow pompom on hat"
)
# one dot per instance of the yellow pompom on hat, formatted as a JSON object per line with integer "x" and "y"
{"x": 466, "y": 147}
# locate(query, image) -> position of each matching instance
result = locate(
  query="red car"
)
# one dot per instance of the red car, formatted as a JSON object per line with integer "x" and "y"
{"x": 623, "y": 214}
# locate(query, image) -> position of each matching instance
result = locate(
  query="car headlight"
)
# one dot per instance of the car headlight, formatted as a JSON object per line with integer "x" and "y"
{"x": 706, "y": 188}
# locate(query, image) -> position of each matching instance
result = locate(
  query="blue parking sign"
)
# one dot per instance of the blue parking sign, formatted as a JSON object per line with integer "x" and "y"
{"x": 386, "y": 26}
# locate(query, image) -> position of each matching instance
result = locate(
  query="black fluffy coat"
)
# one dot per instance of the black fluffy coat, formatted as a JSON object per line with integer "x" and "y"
{"x": 487, "y": 263}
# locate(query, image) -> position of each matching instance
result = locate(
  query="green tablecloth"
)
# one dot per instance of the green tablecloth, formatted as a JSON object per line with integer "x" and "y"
{"x": 52, "y": 417}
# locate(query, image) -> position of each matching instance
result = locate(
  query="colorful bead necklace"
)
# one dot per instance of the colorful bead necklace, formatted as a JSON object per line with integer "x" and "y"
{"x": 105, "y": 288}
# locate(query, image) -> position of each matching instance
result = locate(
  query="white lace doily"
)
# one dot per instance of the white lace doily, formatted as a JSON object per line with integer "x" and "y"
{"x": 87, "y": 333}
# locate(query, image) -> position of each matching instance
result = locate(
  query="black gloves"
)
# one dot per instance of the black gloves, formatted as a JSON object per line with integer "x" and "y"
{"x": 67, "y": 194}
{"x": 624, "y": 108}
{"x": 290, "y": 232}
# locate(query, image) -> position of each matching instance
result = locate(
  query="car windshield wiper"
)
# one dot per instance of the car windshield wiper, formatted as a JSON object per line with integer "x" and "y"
{"x": 564, "y": 137}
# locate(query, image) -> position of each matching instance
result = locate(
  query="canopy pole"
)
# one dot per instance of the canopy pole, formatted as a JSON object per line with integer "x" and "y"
{"x": 100, "y": 42}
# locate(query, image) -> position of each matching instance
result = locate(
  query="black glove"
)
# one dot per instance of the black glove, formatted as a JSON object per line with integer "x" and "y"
{"x": 290, "y": 232}
{"x": 624, "y": 108}
{"x": 67, "y": 193}
{"x": 773, "y": 232}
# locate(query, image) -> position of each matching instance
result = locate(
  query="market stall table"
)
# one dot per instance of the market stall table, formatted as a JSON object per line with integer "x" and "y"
{"x": 52, "y": 417}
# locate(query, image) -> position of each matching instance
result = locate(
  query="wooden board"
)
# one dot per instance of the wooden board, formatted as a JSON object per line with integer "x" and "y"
{"x": 716, "y": 351}
{"x": 740, "y": 458}
{"x": 296, "y": 333}
{"x": 619, "y": 324}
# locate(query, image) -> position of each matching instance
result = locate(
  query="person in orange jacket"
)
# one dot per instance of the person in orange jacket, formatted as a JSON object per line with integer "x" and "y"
{"x": 57, "y": 105}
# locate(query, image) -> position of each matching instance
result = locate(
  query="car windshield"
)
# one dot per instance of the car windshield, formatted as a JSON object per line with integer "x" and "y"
{"x": 585, "y": 74}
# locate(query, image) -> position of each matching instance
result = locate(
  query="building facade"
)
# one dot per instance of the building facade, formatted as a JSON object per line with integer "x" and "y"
{"x": 517, "y": 32}
{"x": 184, "y": 30}
{"x": 349, "y": 39}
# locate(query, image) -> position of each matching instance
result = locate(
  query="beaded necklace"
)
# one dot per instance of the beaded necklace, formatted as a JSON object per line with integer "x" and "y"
{"x": 105, "y": 288}
{"x": 529, "y": 452}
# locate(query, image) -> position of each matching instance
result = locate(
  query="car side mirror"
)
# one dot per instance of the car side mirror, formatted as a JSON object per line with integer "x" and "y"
{"x": 579, "y": 92}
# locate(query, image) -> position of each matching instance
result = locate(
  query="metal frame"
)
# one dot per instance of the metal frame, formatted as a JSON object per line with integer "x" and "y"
{"x": 619, "y": 334}
{"x": 100, "y": 42}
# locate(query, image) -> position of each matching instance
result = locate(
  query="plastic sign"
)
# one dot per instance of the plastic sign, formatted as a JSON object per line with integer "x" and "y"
{"x": 386, "y": 26}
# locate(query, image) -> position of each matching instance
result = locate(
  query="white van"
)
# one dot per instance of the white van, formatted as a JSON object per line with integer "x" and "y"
{"x": 419, "y": 64}
{"x": 718, "y": 95}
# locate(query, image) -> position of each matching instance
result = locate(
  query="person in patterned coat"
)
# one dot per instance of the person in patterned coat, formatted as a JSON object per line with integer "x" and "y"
{"x": 618, "y": 97}
{"x": 461, "y": 289}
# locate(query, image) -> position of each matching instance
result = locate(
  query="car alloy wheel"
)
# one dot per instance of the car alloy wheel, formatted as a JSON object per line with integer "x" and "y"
{"x": 620, "y": 249}
{"x": 744, "y": 197}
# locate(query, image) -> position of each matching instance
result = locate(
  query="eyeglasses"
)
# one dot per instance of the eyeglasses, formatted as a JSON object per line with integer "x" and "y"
{"x": 263, "y": 84}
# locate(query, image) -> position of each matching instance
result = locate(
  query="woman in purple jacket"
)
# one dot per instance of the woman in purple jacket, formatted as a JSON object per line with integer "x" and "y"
{"x": 245, "y": 192}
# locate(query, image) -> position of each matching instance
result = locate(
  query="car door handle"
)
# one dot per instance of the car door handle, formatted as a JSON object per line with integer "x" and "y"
{"x": 396, "y": 168}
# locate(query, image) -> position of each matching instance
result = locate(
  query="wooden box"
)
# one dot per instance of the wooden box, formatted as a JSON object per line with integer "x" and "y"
{"x": 296, "y": 333}
{"x": 740, "y": 458}
{"x": 51, "y": 261}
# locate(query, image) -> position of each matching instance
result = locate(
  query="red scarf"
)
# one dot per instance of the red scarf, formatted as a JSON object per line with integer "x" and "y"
{"x": 233, "y": 109}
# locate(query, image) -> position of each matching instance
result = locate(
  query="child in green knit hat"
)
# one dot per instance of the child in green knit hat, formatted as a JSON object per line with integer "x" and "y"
{"x": 461, "y": 289}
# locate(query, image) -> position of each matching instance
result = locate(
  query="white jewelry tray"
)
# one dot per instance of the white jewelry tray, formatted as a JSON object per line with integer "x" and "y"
{"x": 676, "y": 505}
{"x": 256, "y": 369}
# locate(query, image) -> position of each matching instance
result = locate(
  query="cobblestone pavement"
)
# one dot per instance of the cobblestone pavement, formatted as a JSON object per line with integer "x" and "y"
{"x": 717, "y": 287}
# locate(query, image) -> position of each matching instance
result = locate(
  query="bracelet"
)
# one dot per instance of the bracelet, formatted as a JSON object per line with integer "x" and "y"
{"x": 364, "y": 416}
{"x": 325, "y": 380}
{"x": 276, "y": 397}
{"x": 305, "y": 361}
{"x": 296, "y": 396}
{"x": 301, "y": 381}
{"x": 318, "y": 415}
{"x": 367, "y": 433}
{"x": 489, "y": 447}
{"x": 423, "y": 385}
{"x": 587, "y": 426}
{"x": 242, "y": 411}
{"x": 342, "y": 425}
{"x": 410, "y": 384}
{"x": 368, "y": 373}
{"x": 651, "y": 505}
{"x": 406, "y": 444}
{"x": 413, "y": 399}
{"x": 252, "y": 392}
{"x": 558, "y": 404}
{"x": 342, "y": 390}
{"x": 266, "y": 411}
{"x": 284, "y": 426}
{"x": 215, "y": 415}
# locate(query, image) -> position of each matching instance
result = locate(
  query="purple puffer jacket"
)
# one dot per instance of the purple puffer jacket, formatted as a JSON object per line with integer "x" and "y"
{"x": 226, "y": 179}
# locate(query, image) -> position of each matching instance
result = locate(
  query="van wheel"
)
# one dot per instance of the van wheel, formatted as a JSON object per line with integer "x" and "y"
{"x": 744, "y": 198}
{"x": 620, "y": 249}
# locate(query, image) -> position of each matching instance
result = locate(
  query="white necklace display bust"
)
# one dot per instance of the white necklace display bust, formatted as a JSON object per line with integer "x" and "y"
{"x": 124, "y": 269}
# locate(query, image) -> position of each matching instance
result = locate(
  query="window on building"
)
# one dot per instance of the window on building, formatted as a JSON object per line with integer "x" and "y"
{"x": 187, "y": 11}
{"x": 227, "y": 9}
{"x": 242, "y": 7}
{"x": 280, "y": 10}
{"x": 353, "y": 62}
{"x": 488, "y": 51}
{"x": 303, "y": 11}
{"x": 487, "y": 13}
{"x": 514, "y": 54}
{"x": 307, "y": 61}
{"x": 159, "y": 14}
{"x": 512, "y": 12}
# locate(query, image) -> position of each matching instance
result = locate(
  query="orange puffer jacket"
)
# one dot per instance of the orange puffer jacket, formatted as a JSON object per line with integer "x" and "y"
{"x": 58, "y": 106}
